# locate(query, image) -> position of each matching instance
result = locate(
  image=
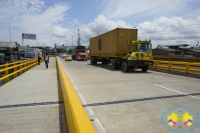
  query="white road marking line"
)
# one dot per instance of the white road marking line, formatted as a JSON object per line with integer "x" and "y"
{"x": 177, "y": 91}
{"x": 173, "y": 75}
{"x": 96, "y": 120}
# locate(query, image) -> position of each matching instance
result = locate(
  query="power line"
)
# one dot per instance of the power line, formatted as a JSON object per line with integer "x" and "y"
{"x": 150, "y": 8}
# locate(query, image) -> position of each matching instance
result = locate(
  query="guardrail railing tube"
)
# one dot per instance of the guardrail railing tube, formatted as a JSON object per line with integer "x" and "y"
{"x": 6, "y": 80}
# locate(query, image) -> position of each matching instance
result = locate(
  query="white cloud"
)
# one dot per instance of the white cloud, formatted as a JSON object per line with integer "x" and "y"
{"x": 99, "y": 26}
{"x": 75, "y": 21}
{"x": 173, "y": 30}
{"x": 30, "y": 16}
{"x": 115, "y": 9}
{"x": 60, "y": 32}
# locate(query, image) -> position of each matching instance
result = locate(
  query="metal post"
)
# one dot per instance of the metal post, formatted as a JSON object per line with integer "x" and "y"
{"x": 15, "y": 69}
{"x": 72, "y": 41}
{"x": 6, "y": 80}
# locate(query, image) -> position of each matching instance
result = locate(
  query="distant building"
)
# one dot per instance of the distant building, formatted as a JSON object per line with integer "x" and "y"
{"x": 45, "y": 49}
{"x": 171, "y": 50}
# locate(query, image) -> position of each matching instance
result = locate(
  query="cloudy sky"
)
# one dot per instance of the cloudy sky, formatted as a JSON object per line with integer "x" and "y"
{"x": 56, "y": 21}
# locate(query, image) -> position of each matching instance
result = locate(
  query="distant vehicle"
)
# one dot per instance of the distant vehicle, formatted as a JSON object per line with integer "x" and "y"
{"x": 79, "y": 53}
{"x": 63, "y": 56}
{"x": 121, "y": 48}
{"x": 68, "y": 58}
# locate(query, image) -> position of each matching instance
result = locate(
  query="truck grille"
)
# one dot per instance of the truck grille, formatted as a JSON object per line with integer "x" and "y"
{"x": 148, "y": 54}
{"x": 142, "y": 55}
{"x": 82, "y": 56}
{"x": 137, "y": 55}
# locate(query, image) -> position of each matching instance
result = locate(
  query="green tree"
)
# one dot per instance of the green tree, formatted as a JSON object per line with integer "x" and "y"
{"x": 70, "y": 51}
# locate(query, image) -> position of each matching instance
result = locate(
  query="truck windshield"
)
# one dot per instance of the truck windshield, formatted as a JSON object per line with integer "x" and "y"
{"x": 145, "y": 47}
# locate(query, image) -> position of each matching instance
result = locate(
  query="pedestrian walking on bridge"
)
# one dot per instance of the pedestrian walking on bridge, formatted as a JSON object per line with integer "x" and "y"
{"x": 46, "y": 58}
{"x": 39, "y": 59}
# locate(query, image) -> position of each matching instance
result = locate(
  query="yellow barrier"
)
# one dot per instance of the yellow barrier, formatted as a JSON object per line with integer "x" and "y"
{"x": 77, "y": 119}
{"x": 177, "y": 66}
{"x": 28, "y": 64}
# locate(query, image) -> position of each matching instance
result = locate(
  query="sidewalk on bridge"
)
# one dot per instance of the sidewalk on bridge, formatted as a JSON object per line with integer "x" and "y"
{"x": 32, "y": 102}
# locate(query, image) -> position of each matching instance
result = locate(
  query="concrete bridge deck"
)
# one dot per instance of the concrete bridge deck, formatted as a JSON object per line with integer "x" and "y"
{"x": 114, "y": 101}
{"x": 32, "y": 103}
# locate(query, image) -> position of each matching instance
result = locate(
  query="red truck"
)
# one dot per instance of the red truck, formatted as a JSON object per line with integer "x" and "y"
{"x": 79, "y": 53}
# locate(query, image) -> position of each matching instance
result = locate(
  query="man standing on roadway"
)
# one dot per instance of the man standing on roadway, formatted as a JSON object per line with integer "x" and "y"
{"x": 46, "y": 58}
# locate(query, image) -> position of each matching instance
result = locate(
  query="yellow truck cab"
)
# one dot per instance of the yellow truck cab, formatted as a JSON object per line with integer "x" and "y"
{"x": 140, "y": 56}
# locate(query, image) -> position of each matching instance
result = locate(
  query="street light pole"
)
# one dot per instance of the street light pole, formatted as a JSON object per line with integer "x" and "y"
{"x": 72, "y": 41}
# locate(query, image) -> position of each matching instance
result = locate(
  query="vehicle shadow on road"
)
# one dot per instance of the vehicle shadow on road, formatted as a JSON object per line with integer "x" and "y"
{"x": 109, "y": 67}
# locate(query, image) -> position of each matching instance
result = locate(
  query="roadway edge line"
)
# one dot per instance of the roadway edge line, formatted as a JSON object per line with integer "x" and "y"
{"x": 96, "y": 120}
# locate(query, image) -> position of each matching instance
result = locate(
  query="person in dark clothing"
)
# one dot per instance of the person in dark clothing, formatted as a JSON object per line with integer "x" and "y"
{"x": 46, "y": 58}
{"x": 39, "y": 59}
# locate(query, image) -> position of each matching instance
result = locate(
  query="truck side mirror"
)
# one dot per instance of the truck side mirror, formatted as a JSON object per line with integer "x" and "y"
{"x": 151, "y": 46}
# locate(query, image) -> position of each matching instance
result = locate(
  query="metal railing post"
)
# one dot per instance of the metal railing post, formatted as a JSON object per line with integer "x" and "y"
{"x": 6, "y": 80}
{"x": 187, "y": 68}
{"x": 156, "y": 64}
{"x": 15, "y": 69}
{"x": 25, "y": 65}
{"x": 169, "y": 66}
{"x": 21, "y": 67}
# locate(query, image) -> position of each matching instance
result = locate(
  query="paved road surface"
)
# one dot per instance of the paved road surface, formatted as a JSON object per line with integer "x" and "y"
{"x": 107, "y": 96}
{"x": 39, "y": 86}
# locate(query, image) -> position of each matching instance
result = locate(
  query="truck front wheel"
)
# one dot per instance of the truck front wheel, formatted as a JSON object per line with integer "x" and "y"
{"x": 144, "y": 69}
{"x": 125, "y": 67}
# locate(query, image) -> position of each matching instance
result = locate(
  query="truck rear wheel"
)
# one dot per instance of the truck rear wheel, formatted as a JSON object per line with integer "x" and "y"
{"x": 125, "y": 67}
{"x": 103, "y": 61}
{"x": 144, "y": 68}
{"x": 95, "y": 61}
{"x": 114, "y": 64}
{"x": 92, "y": 60}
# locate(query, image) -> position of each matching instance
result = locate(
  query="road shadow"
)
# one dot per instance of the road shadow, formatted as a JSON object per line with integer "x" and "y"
{"x": 109, "y": 68}
{"x": 62, "y": 117}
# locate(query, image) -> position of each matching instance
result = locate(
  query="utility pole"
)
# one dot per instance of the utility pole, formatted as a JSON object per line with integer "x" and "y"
{"x": 10, "y": 32}
{"x": 11, "y": 45}
{"x": 79, "y": 39}
{"x": 72, "y": 41}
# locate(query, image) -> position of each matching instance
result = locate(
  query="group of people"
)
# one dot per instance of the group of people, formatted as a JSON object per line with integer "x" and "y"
{"x": 46, "y": 59}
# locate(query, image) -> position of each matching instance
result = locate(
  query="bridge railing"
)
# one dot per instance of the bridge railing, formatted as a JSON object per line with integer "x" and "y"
{"x": 17, "y": 67}
{"x": 177, "y": 66}
{"x": 178, "y": 59}
{"x": 77, "y": 119}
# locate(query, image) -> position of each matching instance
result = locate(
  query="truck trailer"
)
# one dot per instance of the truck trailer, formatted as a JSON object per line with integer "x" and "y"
{"x": 121, "y": 48}
{"x": 79, "y": 53}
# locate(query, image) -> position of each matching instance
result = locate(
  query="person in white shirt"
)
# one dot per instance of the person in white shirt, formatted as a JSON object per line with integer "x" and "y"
{"x": 46, "y": 58}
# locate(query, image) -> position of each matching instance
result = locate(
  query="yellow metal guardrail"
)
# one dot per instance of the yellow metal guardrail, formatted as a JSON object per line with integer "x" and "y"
{"x": 24, "y": 66}
{"x": 179, "y": 59}
{"x": 177, "y": 66}
{"x": 77, "y": 119}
